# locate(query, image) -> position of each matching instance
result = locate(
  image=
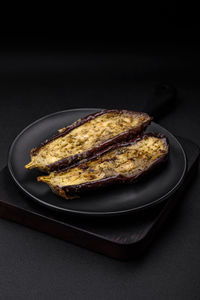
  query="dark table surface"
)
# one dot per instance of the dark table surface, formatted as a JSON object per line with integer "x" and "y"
{"x": 35, "y": 83}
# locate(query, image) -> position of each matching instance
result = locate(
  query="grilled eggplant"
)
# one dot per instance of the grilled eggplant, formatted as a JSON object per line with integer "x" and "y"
{"x": 86, "y": 137}
{"x": 119, "y": 163}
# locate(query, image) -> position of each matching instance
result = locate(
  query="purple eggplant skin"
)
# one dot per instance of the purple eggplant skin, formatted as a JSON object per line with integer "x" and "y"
{"x": 74, "y": 191}
{"x": 124, "y": 136}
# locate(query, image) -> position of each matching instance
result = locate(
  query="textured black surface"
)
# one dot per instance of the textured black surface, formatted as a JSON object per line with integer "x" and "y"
{"x": 113, "y": 201}
{"x": 37, "y": 266}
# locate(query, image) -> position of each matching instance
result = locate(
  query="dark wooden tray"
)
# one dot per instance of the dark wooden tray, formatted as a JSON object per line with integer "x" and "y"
{"x": 118, "y": 237}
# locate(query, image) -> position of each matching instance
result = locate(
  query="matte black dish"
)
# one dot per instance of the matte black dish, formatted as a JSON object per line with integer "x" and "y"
{"x": 114, "y": 201}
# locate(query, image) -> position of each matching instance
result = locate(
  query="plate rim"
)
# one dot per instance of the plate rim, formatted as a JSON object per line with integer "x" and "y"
{"x": 91, "y": 213}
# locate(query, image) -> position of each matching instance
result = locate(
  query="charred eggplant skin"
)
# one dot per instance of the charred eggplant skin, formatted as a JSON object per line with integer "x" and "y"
{"x": 73, "y": 191}
{"x": 124, "y": 136}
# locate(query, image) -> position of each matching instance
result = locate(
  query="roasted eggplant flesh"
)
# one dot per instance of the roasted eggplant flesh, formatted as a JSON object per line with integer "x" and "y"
{"x": 74, "y": 143}
{"x": 120, "y": 163}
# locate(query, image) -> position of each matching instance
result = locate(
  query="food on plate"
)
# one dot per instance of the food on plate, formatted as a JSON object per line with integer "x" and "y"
{"x": 86, "y": 137}
{"x": 119, "y": 163}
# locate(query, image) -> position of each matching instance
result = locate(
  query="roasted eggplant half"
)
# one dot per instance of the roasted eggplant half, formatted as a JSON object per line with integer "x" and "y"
{"x": 119, "y": 163}
{"x": 86, "y": 137}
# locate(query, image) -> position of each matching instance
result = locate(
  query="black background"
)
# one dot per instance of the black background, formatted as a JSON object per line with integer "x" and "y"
{"x": 41, "y": 73}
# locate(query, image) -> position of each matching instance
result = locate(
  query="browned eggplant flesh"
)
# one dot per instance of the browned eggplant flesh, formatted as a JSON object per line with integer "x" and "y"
{"x": 122, "y": 162}
{"x": 87, "y": 136}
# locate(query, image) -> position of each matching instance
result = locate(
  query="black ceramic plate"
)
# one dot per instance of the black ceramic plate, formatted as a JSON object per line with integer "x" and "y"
{"x": 117, "y": 200}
